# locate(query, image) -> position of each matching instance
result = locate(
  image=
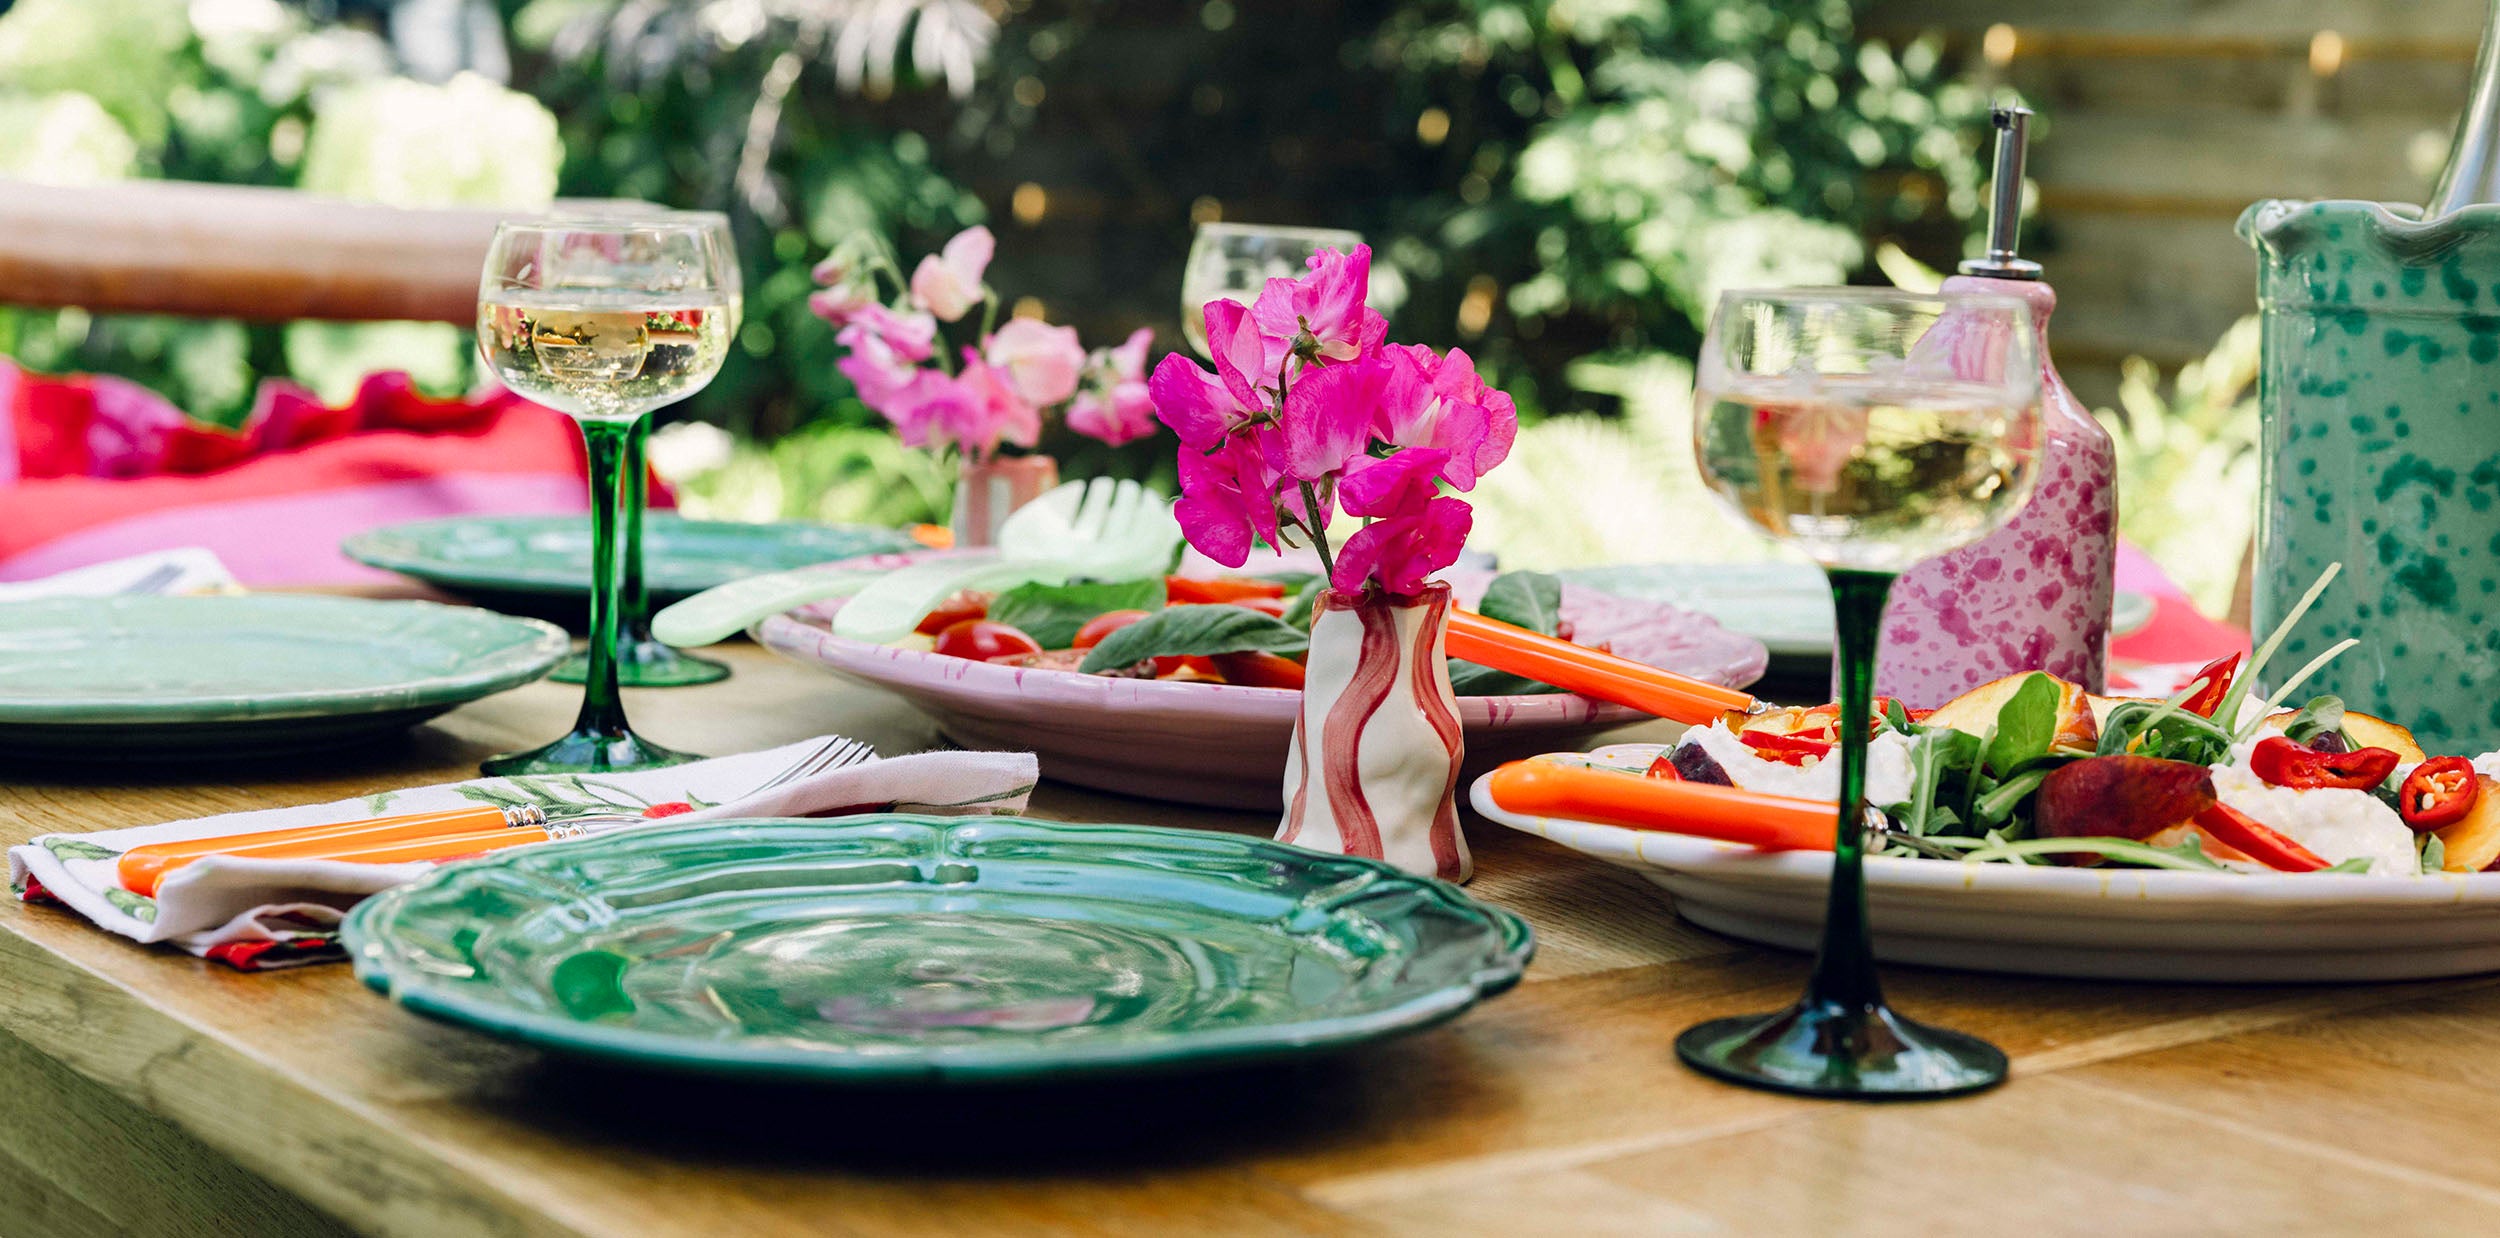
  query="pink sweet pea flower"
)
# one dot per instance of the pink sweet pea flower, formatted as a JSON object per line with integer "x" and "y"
{"x": 1119, "y": 408}
{"x": 842, "y": 302}
{"x": 1323, "y": 311}
{"x": 1399, "y": 553}
{"x": 1228, "y": 499}
{"x": 883, "y": 352}
{"x": 1392, "y": 486}
{"x": 1331, "y": 413}
{"x": 923, "y": 409}
{"x": 1042, "y": 362}
{"x": 1248, "y": 359}
{"x": 1453, "y": 410}
{"x": 911, "y": 337}
{"x": 996, "y": 411}
{"x": 948, "y": 283}
{"x": 1197, "y": 405}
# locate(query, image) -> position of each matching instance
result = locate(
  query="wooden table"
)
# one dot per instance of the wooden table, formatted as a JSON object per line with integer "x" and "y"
{"x": 148, "y": 1092}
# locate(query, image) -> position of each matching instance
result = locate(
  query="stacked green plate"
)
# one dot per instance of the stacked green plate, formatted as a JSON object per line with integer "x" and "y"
{"x": 540, "y": 565}
{"x": 138, "y": 678}
{"x": 894, "y": 948}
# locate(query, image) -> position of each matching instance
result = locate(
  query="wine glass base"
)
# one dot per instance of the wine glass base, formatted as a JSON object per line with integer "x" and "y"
{"x": 1824, "y": 1049}
{"x": 587, "y": 752}
{"x": 646, "y": 663}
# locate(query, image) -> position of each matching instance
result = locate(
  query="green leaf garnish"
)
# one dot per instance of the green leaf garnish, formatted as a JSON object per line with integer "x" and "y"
{"x": 1531, "y": 600}
{"x": 2321, "y": 715}
{"x": 2026, "y": 724}
{"x": 1051, "y": 614}
{"x": 2187, "y": 857}
{"x": 1194, "y": 631}
{"x": 2229, "y": 707}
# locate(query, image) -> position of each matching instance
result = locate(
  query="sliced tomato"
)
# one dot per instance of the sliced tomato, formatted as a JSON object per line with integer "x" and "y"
{"x": 2280, "y": 762}
{"x": 1103, "y": 625}
{"x": 965, "y": 605}
{"x": 1253, "y": 669}
{"x": 1791, "y": 749}
{"x": 1188, "y": 590}
{"x": 2216, "y": 679}
{"x": 982, "y": 640}
{"x": 2438, "y": 793}
{"x": 2262, "y": 843}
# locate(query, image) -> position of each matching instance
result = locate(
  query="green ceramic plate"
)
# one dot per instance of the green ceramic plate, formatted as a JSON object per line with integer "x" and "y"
{"x": 135, "y": 677}
{"x": 1786, "y": 606}
{"x": 892, "y": 948}
{"x": 541, "y": 564}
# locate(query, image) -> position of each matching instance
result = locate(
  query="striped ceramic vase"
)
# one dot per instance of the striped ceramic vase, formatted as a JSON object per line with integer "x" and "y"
{"x": 1374, "y": 766}
{"x": 990, "y": 489}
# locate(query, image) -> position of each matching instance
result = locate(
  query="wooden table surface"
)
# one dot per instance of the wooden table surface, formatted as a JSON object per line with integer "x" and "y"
{"x": 149, "y": 1092}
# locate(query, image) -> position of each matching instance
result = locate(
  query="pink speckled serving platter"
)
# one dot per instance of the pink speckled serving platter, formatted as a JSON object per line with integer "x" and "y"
{"x": 1224, "y": 746}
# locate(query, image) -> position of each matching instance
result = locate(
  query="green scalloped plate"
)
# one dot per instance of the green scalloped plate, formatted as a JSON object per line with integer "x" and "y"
{"x": 540, "y": 565}
{"x": 890, "y": 948}
{"x": 139, "y": 677}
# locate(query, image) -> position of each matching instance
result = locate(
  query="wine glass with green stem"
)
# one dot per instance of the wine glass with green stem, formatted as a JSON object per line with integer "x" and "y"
{"x": 604, "y": 320}
{"x": 641, "y": 661}
{"x": 1871, "y": 428}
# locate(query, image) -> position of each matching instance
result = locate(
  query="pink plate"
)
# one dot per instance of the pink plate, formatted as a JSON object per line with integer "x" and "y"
{"x": 1224, "y": 746}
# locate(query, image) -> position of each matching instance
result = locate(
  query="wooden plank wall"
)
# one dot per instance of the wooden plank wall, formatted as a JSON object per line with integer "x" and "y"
{"x": 2162, "y": 119}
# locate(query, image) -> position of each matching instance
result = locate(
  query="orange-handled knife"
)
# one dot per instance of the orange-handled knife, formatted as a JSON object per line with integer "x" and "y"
{"x": 1589, "y": 672}
{"x": 143, "y": 869}
{"x": 1614, "y": 797}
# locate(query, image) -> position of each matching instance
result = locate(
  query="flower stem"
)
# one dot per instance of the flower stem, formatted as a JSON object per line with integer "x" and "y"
{"x": 1318, "y": 530}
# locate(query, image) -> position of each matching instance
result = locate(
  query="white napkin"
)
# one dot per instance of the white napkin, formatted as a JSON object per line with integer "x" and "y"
{"x": 165, "y": 573}
{"x": 257, "y": 914}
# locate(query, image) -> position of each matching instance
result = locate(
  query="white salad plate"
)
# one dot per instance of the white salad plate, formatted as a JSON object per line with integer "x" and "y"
{"x": 2098, "y": 923}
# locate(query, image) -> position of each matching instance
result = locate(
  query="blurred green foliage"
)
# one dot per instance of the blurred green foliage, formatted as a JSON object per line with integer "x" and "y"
{"x": 1560, "y": 186}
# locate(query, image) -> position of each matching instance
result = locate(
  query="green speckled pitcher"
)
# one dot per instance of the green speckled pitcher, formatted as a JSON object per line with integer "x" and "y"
{"x": 2381, "y": 450}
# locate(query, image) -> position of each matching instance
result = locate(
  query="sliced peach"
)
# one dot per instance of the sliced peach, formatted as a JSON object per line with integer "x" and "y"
{"x": 1976, "y": 711}
{"x": 2472, "y": 844}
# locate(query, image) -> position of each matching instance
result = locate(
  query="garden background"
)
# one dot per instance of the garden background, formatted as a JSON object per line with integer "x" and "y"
{"x": 1558, "y": 186}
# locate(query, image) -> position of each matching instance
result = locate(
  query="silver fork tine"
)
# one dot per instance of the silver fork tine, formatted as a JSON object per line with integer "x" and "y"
{"x": 799, "y": 768}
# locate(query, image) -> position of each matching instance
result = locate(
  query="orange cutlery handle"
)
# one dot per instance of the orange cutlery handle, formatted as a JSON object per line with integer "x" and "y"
{"x": 444, "y": 847}
{"x": 143, "y": 869}
{"x": 1589, "y": 672}
{"x": 1613, "y": 797}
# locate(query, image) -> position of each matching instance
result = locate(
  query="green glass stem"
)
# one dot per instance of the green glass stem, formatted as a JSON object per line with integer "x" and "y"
{"x": 1840, "y": 1040}
{"x": 641, "y": 661}
{"x": 601, "y": 739}
{"x": 1844, "y": 970}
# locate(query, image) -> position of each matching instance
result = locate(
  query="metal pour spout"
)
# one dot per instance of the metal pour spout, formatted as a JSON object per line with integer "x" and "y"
{"x": 2005, "y": 208}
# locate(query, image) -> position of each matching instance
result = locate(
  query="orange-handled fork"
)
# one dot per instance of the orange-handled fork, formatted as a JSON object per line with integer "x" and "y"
{"x": 1590, "y": 672}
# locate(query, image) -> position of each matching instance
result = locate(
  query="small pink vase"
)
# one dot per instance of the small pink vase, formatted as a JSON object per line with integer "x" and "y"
{"x": 1374, "y": 766}
{"x": 989, "y": 490}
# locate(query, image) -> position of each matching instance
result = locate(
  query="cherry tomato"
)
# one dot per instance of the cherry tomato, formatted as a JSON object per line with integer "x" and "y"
{"x": 954, "y": 610}
{"x": 2439, "y": 792}
{"x": 1253, "y": 669}
{"x": 1189, "y": 589}
{"x": 2216, "y": 677}
{"x": 982, "y": 640}
{"x": 1103, "y": 625}
{"x": 2280, "y": 762}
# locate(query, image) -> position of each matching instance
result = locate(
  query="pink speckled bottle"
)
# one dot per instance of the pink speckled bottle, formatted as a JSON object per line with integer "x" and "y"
{"x": 2034, "y": 595}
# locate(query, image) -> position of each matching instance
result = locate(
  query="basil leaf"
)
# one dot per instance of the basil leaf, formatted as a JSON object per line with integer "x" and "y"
{"x": 2026, "y": 725}
{"x": 1186, "y": 631}
{"x": 1470, "y": 679}
{"x": 2321, "y": 715}
{"x": 1298, "y": 611}
{"x": 1935, "y": 757}
{"x": 1051, "y": 614}
{"x": 1531, "y": 600}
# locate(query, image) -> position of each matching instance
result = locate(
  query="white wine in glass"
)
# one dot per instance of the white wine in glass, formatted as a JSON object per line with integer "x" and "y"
{"x": 1237, "y": 260}
{"x": 604, "y": 318}
{"x": 1871, "y": 428}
